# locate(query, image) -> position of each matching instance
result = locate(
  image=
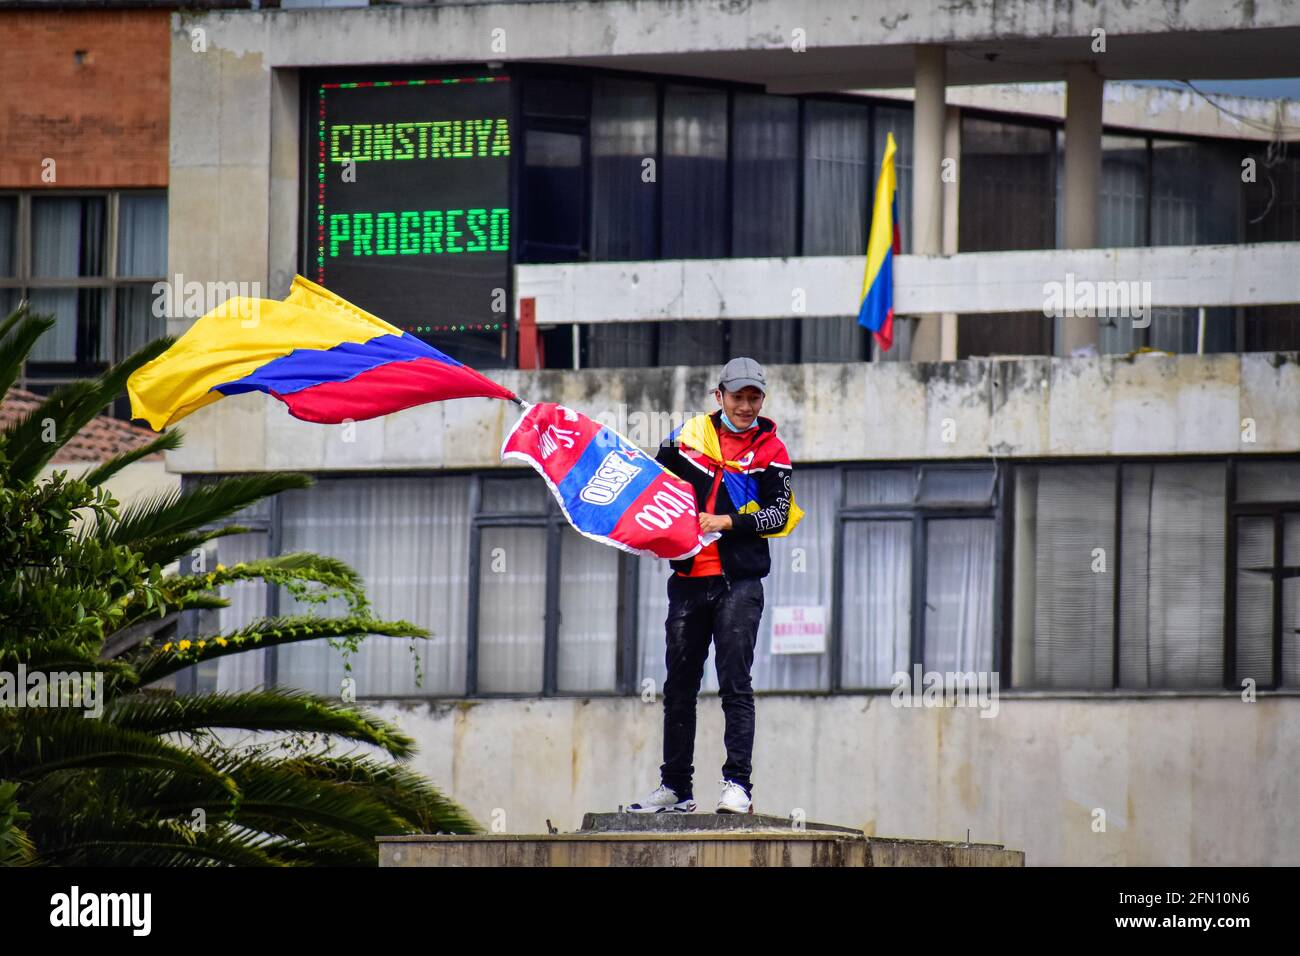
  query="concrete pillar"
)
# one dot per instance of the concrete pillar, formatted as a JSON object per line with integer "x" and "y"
{"x": 929, "y": 118}
{"x": 951, "y": 205}
{"x": 1082, "y": 186}
{"x": 927, "y": 194}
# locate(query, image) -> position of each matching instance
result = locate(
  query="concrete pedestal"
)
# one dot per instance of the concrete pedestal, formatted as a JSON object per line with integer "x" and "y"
{"x": 689, "y": 839}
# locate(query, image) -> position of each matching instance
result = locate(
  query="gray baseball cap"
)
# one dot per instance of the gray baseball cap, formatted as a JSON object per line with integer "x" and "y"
{"x": 740, "y": 372}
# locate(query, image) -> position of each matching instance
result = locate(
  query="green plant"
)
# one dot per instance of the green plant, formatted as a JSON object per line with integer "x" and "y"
{"x": 86, "y": 587}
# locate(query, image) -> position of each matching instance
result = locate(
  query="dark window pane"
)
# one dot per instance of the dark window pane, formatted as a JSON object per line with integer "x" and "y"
{"x": 552, "y": 197}
{"x": 136, "y": 323}
{"x": 512, "y": 606}
{"x": 1291, "y": 601}
{"x": 1255, "y": 600}
{"x": 623, "y": 138}
{"x": 557, "y": 98}
{"x": 8, "y": 236}
{"x": 837, "y": 145}
{"x": 1123, "y": 191}
{"x": 79, "y": 323}
{"x": 896, "y": 120}
{"x": 1195, "y": 200}
{"x": 838, "y": 184}
{"x": 877, "y": 602}
{"x": 887, "y": 486}
{"x": 956, "y": 485}
{"x": 765, "y": 167}
{"x": 1007, "y": 196}
{"x": 1172, "y": 577}
{"x": 67, "y": 237}
{"x": 1268, "y": 481}
{"x": 1003, "y": 333}
{"x": 142, "y": 236}
{"x": 694, "y": 176}
{"x": 959, "y": 595}
{"x": 699, "y": 342}
{"x": 1272, "y": 328}
{"x": 1064, "y": 602}
{"x": 587, "y": 651}
{"x": 516, "y": 495}
{"x": 1273, "y": 199}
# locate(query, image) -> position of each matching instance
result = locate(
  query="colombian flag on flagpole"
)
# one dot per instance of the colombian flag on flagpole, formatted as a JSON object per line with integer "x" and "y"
{"x": 326, "y": 359}
{"x": 877, "y": 309}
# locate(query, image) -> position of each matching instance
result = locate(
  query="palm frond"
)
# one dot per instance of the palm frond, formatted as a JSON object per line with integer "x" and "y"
{"x": 15, "y": 348}
{"x": 48, "y": 741}
{"x": 71, "y": 408}
{"x": 166, "y": 442}
{"x": 165, "y": 552}
{"x": 156, "y": 519}
{"x": 290, "y": 711}
{"x": 267, "y": 632}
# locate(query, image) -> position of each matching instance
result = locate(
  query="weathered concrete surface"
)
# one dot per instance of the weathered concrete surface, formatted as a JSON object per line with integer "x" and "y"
{"x": 1151, "y": 404}
{"x": 1182, "y": 780}
{"x": 841, "y": 45}
{"x": 628, "y": 849}
{"x": 1132, "y": 106}
{"x": 679, "y": 822}
{"x": 1123, "y": 282}
{"x": 667, "y": 839}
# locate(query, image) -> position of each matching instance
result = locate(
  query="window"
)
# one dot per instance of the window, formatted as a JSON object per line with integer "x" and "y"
{"x": 1119, "y": 575}
{"x": 249, "y": 600}
{"x": 918, "y": 568}
{"x": 1007, "y": 200}
{"x": 1266, "y": 526}
{"x": 680, "y": 171}
{"x": 408, "y": 538}
{"x": 802, "y": 576}
{"x": 90, "y": 261}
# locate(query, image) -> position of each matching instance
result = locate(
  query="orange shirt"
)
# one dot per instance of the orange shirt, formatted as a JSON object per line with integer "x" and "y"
{"x": 733, "y": 444}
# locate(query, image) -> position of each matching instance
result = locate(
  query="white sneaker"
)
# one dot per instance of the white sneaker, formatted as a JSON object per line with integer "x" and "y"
{"x": 734, "y": 799}
{"x": 663, "y": 800}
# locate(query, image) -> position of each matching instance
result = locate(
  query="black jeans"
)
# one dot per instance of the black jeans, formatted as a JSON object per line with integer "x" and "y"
{"x": 700, "y": 610}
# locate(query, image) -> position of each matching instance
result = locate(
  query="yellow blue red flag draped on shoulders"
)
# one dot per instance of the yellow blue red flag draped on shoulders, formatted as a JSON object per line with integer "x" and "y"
{"x": 699, "y": 434}
{"x": 877, "y": 309}
{"x": 326, "y": 359}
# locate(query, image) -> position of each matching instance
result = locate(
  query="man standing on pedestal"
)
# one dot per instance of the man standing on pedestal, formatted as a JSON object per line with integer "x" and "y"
{"x": 740, "y": 472}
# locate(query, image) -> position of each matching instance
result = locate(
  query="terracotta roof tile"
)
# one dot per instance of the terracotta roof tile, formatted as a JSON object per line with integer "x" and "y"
{"x": 100, "y": 440}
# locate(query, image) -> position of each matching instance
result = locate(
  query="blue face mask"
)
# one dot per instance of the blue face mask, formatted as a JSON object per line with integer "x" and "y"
{"x": 730, "y": 427}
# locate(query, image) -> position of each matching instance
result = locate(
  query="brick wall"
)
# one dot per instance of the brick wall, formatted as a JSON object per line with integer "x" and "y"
{"x": 103, "y": 120}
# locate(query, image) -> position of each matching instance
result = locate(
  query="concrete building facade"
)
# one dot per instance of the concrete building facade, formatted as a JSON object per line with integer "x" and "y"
{"x": 1099, "y": 511}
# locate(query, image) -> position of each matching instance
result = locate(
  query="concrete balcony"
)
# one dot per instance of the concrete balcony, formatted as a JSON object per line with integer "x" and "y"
{"x": 1146, "y": 404}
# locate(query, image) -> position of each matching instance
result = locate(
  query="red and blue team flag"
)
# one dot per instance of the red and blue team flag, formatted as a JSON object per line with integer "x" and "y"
{"x": 877, "y": 309}
{"x": 609, "y": 489}
{"x": 326, "y": 359}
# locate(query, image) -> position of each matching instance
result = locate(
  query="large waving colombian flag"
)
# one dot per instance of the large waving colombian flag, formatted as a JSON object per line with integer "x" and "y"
{"x": 326, "y": 359}
{"x": 877, "y": 309}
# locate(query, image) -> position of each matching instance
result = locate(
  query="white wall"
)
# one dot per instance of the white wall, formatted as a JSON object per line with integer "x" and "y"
{"x": 1183, "y": 781}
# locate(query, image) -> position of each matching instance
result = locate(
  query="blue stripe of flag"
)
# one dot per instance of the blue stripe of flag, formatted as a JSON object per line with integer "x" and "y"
{"x": 303, "y": 368}
{"x": 601, "y": 519}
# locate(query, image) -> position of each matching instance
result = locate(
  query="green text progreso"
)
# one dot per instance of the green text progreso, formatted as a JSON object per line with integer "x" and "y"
{"x": 419, "y": 233}
{"x": 445, "y": 139}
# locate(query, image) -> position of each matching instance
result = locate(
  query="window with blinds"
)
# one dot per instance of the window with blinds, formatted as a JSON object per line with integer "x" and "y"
{"x": 1118, "y": 578}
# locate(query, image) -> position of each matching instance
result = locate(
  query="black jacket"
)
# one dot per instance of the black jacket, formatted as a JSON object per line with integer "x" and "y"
{"x": 742, "y": 549}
